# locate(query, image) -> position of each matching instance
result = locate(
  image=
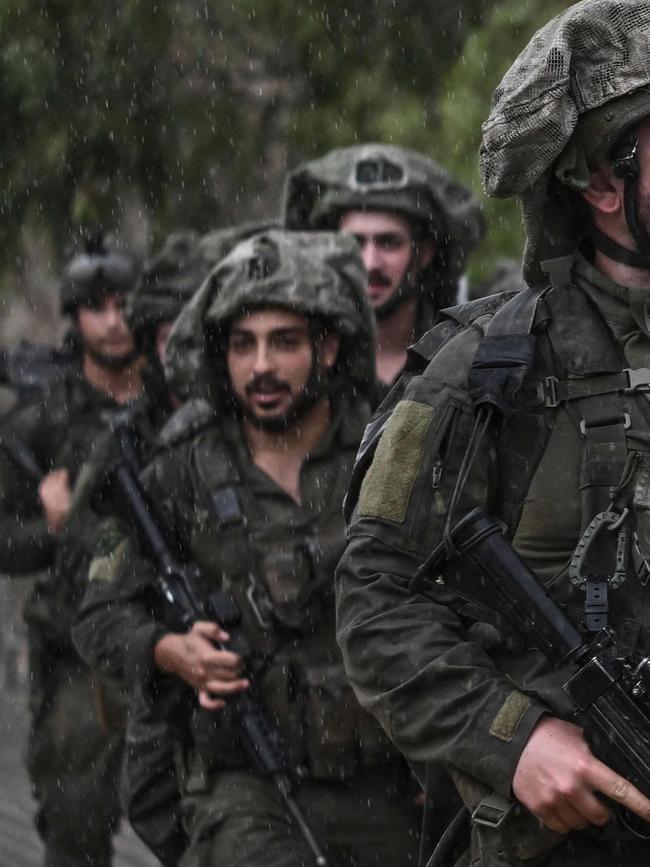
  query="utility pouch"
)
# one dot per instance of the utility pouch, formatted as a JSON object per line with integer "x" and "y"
{"x": 331, "y": 715}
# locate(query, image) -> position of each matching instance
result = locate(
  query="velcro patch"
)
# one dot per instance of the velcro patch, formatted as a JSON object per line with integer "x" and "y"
{"x": 504, "y": 725}
{"x": 387, "y": 487}
{"x": 104, "y": 567}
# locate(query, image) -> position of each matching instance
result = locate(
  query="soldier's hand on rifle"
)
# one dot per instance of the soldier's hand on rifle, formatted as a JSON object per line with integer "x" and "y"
{"x": 193, "y": 657}
{"x": 559, "y": 780}
{"x": 55, "y": 496}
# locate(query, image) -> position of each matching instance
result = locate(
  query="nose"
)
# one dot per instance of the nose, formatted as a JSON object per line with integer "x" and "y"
{"x": 115, "y": 316}
{"x": 263, "y": 358}
{"x": 371, "y": 256}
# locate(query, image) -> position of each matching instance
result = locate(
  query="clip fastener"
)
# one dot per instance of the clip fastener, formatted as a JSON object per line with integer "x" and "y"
{"x": 550, "y": 391}
{"x": 638, "y": 378}
{"x": 492, "y": 811}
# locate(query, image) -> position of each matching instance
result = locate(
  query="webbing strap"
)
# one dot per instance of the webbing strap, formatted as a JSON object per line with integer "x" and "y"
{"x": 517, "y": 316}
{"x": 604, "y": 422}
{"x": 552, "y": 391}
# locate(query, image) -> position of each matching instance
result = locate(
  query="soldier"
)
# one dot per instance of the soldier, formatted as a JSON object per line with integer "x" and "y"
{"x": 277, "y": 347}
{"x": 528, "y": 407}
{"x": 75, "y": 743}
{"x": 415, "y": 225}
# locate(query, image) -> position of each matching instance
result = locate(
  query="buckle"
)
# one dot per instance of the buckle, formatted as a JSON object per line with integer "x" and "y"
{"x": 261, "y": 609}
{"x": 627, "y": 423}
{"x": 550, "y": 390}
{"x": 492, "y": 811}
{"x": 638, "y": 378}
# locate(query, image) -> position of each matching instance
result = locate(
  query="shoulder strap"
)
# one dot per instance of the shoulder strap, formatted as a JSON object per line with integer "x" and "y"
{"x": 192, "y": 417}
{"x": 222, "y": 483}
{"x": 451, "y": 321}
{"x": 506, "y": 352}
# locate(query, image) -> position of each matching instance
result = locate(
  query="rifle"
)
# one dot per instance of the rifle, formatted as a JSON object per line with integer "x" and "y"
{"x": 610, "y": 686}
{"x": 31, "y": 367}
{"x": 177, "y": 581}
{"x": 27, "y": 370}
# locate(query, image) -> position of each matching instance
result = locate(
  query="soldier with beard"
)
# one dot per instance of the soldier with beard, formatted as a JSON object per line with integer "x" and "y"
{"x": 277, "y": 347}
{"x": 414, "y": 223}
{"x": 75, "y": 742}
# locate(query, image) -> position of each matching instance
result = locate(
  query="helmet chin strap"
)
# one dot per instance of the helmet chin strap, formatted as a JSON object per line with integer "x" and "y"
{"x": 627, "y": 167}
{"x": 613, "y": 250}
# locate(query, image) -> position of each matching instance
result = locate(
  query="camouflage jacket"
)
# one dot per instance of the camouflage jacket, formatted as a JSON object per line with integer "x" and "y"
{"x": 62, "y": 428}
{"x": 449, "y": 681}
{"x": 277, "y": 559}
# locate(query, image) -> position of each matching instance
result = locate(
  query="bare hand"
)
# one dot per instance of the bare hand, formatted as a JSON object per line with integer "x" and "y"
{"x": 193, "y": 657}
{"x": 55, "y": 496}
{"x": 558, "y": 776}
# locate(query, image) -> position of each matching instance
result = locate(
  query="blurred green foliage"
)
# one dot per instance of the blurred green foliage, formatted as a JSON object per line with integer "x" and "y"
{"x": 488, "y": 51}
{"x": 191, "y": 110}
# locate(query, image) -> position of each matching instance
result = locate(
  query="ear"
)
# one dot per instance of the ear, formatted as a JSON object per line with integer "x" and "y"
{"x": 329, "y": 349}
{"x": 605, "y": 192}
{"x": 425, "y": 252}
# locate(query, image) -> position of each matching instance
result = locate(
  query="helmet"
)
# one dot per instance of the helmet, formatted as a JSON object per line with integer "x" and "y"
{"x": 386, "y": 178}
{"x": 559, "y": 111}
{"x": 217, "y": 244}
{"x": 168, "y": 281}
{"x": 319, "y": 275}
{"x": 97, "y": 272}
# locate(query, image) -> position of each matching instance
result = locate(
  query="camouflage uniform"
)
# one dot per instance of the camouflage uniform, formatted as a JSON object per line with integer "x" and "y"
{"x": 450, "y": 682}
{"x": 75, "y": 743}
{"x": 277, "y": 558}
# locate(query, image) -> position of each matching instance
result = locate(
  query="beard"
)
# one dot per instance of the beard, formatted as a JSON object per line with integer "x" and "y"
{"x": 112, "y": 363}
{"x": 410, "y": 285}
{"x": 314, "y": 389}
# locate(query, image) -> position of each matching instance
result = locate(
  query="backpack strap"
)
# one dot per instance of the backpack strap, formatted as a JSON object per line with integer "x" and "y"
{"x": 450, "y": 322}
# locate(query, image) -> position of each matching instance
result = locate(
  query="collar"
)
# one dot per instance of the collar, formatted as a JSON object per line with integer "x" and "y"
{"x": 348, "y": 422}
{"x": 611, "y": 299}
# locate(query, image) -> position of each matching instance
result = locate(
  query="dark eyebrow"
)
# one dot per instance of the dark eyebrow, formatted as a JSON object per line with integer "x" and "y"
{"x": 378, "y": 237}
{"x": 289, "y": 330}
{"x": 283, "y": 330}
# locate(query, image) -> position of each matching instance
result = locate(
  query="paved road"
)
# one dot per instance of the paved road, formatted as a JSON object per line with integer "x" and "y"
{"x": 19, "y": 843}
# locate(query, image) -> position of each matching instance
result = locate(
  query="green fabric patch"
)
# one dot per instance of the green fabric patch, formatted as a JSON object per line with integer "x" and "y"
{"x": 504, "y": 725}
{"x": 387, "y": 487}
{"x": 110, "y": 536}
{"x": 104, "y": 568}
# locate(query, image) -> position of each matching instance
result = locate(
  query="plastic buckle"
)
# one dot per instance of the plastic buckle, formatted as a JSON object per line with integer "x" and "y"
{"x": 638, "y": 378}
{"x": 550, "y": 389}
{"x": 627, "y": 424}
{"x": 596, "y": 605}
{"x": 492, "y": 811}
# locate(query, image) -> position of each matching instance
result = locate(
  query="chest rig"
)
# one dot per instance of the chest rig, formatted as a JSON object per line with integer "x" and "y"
{"x": 547, "y": 349}
{"x": 280, "y": 571}
{"x": 277, "y": 561}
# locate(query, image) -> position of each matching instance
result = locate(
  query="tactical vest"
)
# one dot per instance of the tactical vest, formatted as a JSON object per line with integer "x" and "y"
{"x": 281, "y": 573}
{"x": 544, "y": 348}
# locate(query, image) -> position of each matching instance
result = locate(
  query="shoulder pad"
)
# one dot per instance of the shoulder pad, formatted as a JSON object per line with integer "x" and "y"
{"x": 192, "y": 417}
{"x": 467, "y": 313}
{"x": 449, "y": 321}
